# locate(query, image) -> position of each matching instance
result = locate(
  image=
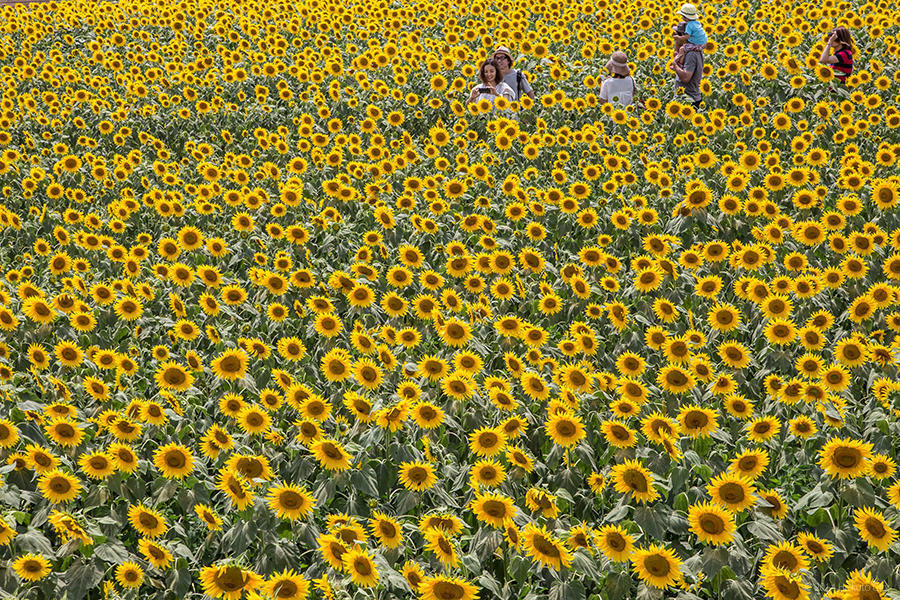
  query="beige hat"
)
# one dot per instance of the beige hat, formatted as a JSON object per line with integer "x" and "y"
{"x": 618, "y": 63}
{"x": 689, "y": 12}
{"x": 503, "y": 50}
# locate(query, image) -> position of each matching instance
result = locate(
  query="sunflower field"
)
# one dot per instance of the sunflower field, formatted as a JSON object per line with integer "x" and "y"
{"x": 283, "y": 317}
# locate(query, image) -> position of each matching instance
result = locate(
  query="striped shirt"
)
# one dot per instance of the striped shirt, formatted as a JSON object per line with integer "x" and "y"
{"x": 844, "y": 66}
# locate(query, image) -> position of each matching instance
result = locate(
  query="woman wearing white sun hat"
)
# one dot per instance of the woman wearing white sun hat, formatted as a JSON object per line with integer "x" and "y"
{"x": 620, "y": 88}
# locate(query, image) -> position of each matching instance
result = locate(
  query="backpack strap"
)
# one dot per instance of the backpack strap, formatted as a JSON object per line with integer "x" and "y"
{"x": 518, "y": 84}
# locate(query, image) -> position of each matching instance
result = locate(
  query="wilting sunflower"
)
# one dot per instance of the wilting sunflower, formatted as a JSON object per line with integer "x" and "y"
{"x": 874, "y": 529}
{"x": 545, "y": 548}
{"x": 615, "y": 543}
{"x": 845, "y": 458}
{"x": 289, "y": 501}
{"x": 711, "y": 524}
{"x": 441, "y": 587}
{"x": 657, "y": 566}
{"x": 174, "y": 461}
{"x": 229, "y": 582}
{"x": 31, "y": 567}
{"x": 632, "y": 477}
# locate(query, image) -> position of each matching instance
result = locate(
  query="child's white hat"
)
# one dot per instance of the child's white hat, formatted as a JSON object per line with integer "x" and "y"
{"x": 689, "y": 12}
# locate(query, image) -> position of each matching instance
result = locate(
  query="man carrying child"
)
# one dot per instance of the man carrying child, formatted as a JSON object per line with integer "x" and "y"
{"x": 690, "y": 41}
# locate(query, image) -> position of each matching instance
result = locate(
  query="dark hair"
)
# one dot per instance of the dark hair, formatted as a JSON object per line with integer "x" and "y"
{"x": 492, "y": 63}
{"x": 507, "y": 57}
{"x": 843, "y": 36}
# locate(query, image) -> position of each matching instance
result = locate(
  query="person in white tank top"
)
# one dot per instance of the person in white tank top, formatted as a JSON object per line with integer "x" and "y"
{"x": 619, "y": 89}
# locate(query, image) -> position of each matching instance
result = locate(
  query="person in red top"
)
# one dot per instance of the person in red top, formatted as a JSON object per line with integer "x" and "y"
{"x": 841, "y": 61}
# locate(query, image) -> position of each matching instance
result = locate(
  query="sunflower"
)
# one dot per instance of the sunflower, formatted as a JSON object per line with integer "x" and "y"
{"x": 675, "y": 380}
{"x": 545, "y": 548}
{"x": 732, "y": 492}
{"x": 615, "y": 543}
{"x": 711, "y": 524}
{"x": 230, "y": 365}
{"x": 632, "y": 477}
{"x": 657, "y": 566}
{"x": 874, "y": 529}
{"x": 229, "y": 582}
{"x": 782, "y": 584}
{"x": 146, "y": 521}
{"x": 821, "y": 550}
{"x": 174, "y": 461}
{"x": 59, "y": 487}
{"x": 493, "y": 509}
{"x": 331, "y": 455}
{"x": 387, "y": 530}
{"x": 861, "y": 585}
{"x": 286, "y": 585}
{"x": 618, "y": 434}
{"x": 697, "y": 421}
{"x": 172, "y": 376}
{"x": 156, "y": 554}
{"x": 289, "y": 501}
{"x": 417, "y": 476}
{"x": 439, "y": 543}
{"x": 441, "y": 587}
{"x": 750, "y": 463}
{"x": 487, "y": 441}
{"x": 64, "y": 432}
{"x": 845, "y": 458}
{"x": 209, "y": 517}
{"x": 565, "y": 429}
{"x": 361, "y": 567}
{"x": 129, "y": 574}
{"x": 785, "y": 555}
{"x": 31, "y": 567}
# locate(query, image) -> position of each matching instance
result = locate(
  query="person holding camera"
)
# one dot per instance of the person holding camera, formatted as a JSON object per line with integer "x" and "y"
{"x": 841, "y": 61}
{"x": 492, "y": 86}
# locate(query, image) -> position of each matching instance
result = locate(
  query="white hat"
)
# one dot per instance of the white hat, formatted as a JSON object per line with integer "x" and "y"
{"x": 689, "y": 12}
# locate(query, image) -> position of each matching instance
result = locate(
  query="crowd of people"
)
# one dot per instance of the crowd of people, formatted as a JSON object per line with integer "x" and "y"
{"x": 499, "y": 79}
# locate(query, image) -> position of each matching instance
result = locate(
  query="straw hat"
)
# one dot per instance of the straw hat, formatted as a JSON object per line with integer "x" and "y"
{"x": 503, "y": 50}
{"x": 618, "y": 63}
{"x": 689, "y": 12}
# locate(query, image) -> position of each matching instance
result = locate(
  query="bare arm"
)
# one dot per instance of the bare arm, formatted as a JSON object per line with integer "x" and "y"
{"x": 683, "y": 76}
{"x": 827, "y": 58}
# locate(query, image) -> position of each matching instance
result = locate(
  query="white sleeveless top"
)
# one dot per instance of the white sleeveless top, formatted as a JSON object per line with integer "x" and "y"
{"x": 618, "y": 91}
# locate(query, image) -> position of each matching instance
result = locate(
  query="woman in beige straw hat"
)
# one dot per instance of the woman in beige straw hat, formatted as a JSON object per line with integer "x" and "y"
{"x": 620, "y": 88}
